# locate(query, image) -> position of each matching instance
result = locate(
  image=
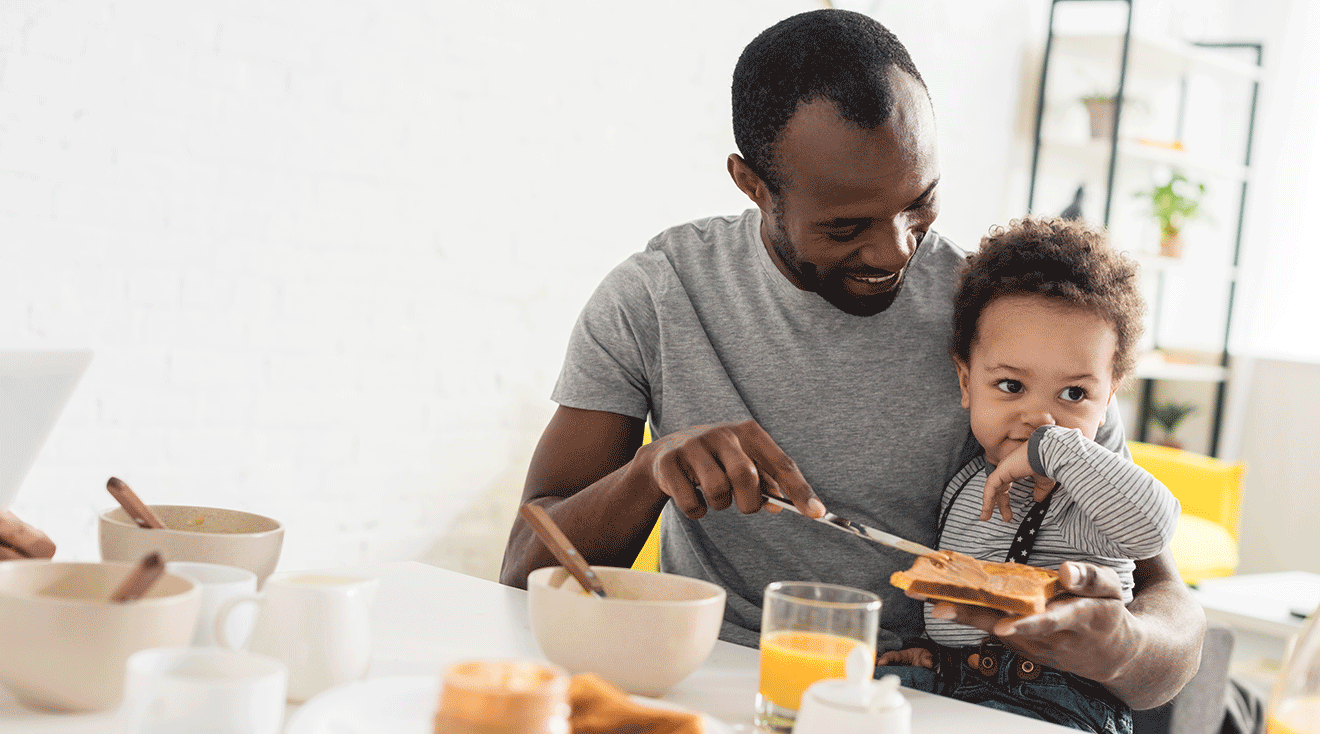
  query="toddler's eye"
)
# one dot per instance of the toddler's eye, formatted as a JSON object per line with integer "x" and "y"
{"x": 1073, "y": 394}
{"x": 1009, "y": 386}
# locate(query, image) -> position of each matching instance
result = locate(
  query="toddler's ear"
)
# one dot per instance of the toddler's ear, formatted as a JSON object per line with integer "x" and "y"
{"x": 1108, "y": 402}
{"x": 964, "y": 380}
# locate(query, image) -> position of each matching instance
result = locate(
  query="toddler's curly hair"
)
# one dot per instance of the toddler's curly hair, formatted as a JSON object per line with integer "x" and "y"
{"x": 1066, "y": 261}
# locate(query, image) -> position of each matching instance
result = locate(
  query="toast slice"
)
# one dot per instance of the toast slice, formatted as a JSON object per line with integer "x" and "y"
{"x": 600, "y": 708}
{"x": 951, "y": 576}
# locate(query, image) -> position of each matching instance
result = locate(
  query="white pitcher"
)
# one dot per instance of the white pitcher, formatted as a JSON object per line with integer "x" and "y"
{"x": 318, "y": 624}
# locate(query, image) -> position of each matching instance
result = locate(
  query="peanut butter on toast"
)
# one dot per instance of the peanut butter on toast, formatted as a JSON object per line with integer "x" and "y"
{"x": 954, "y": 577}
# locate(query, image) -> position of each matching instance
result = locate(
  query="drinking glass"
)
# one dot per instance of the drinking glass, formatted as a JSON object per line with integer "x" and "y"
{"x": 319, "y": 625}
{"x": 203, "y": 689}
{"x": 1295, "y": 702}
{"x": 218, "y": 584}
{"x": 506, "y": 696}
{"x": 807, "y": 631}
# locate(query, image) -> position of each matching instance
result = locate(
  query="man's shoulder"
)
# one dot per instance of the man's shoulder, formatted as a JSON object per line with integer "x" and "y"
{"x": 942, "y": 254}
{"x": 708, "y": 236}
{"x": 700, "y": 249}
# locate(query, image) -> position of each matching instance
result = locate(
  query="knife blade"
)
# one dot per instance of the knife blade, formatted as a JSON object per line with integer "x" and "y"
{"x": 861, "y": 531}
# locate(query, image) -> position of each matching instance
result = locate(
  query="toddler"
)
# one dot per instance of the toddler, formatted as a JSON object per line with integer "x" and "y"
{"x": 1046, "y": 319}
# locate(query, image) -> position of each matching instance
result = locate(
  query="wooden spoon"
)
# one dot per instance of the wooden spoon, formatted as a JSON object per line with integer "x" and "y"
{"x": 135, "y": 507}
{"x": 562, "y": 547}
{"x": 140, "y": 580}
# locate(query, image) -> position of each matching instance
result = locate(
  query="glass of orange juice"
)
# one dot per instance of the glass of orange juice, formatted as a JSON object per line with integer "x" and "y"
{"x": 807, "y": 631}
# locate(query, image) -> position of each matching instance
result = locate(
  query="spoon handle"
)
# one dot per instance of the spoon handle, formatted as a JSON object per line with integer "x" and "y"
{"x": 140, "y": 580}
{"x": 562, "y": 547}
{"x": 135, "y": 507}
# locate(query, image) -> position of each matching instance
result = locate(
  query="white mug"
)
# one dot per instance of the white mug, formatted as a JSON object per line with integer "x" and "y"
{"x": 218, "y": 584}
{"x": 318, "y": 624}
{"x": 170, "y": 690}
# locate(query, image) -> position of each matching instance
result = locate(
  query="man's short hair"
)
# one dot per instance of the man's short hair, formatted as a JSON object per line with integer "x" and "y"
{"x": 1068, "y": 262}
{"x": 835, "y": 55}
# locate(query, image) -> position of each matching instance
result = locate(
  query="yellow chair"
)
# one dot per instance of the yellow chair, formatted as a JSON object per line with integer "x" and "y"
{"x": 1205, "y": 544}
{"x": 649, "y": 558}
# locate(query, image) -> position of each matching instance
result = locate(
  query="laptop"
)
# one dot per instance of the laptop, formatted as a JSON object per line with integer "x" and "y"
{"x": 35, "y": 385}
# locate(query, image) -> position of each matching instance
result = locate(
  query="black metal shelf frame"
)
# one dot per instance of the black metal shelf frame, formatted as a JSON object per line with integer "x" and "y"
{"x": 1148, "y": 384}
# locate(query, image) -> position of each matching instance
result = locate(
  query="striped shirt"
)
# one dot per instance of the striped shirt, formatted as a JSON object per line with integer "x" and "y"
{"x": 1104, "y": 510}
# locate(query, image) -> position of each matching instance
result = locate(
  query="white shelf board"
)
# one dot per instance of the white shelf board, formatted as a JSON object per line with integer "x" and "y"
{"x": 1154, "y": 369}
{"x": 1161, "y": 264}
{"x": 1131, "y": 150}
{"x": 1157, "y": 56}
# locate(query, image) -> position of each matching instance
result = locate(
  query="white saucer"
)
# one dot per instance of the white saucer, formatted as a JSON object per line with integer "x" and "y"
{"x": 401, "y": 704}
{"x": 404, "y": 704}
{"x": 709, "y": 724}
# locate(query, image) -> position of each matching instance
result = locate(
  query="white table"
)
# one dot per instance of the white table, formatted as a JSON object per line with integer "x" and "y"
{"x": 426, "y": 618}
{"x": 1259, "y": 609}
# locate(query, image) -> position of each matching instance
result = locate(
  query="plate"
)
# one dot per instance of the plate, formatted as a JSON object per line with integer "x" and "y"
{"x": 401, "y": 704}
{"x": 709, "y": 724}
{"x": 405, "y": 704}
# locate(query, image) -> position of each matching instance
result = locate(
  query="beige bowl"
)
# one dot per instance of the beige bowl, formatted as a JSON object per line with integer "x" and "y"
{"x": 651, "y": 633}
{"x": 228, "y": 537}
{"x": 63, "y": 645}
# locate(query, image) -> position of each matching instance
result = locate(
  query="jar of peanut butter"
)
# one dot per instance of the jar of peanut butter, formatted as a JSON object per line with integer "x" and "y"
{"x": 503, "y": 697}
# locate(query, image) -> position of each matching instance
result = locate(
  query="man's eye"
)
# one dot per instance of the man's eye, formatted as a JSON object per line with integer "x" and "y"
{"x": 1010, "y": 386}
{"x": 846, "y": 235}
{"x": 1073, "y": 394}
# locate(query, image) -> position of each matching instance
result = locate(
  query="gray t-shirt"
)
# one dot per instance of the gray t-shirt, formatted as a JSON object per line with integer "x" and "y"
{"x": 701, "y": 327}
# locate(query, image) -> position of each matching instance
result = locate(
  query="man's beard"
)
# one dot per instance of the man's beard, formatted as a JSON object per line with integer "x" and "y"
{"x": 829, "y": 284}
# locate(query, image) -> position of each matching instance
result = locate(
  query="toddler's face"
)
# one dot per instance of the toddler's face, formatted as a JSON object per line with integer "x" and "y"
{"x": 1036, "y": 362}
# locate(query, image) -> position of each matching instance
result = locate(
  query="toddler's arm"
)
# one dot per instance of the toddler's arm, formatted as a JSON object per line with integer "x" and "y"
{"x": 1114, "y": 507}
{"x": 918, "y": 656}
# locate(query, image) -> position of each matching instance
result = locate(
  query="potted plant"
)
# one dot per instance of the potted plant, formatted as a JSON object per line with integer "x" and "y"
{"x": 1174, "y": 204}
{"x": 1101, "y": 108}
{"x": 1167, "y": 416}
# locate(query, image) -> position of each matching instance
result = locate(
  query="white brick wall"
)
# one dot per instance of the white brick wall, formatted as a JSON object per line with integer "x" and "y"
{"x": 328, "y": 253}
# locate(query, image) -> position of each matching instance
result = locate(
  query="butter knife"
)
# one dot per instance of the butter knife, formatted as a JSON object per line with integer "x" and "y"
{"x": 861, "y": 531}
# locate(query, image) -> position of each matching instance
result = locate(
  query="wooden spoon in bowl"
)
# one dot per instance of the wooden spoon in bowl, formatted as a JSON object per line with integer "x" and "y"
{"x": 140, "y": 580}
{"x": 135, "y": 507}
{"x": 562, "y": 547}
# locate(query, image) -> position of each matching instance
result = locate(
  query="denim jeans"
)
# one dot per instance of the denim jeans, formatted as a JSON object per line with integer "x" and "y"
{"x": 992, "y": 675}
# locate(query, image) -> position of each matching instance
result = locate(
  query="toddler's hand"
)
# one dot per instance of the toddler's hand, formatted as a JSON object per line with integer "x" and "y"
{"x": 918, "y": 656}
{"x": 1014, "y": 467}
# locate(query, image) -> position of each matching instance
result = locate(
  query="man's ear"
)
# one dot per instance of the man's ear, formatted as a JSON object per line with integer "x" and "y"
{"x": 964, "y": 381}
{"x": 749, "y": 183}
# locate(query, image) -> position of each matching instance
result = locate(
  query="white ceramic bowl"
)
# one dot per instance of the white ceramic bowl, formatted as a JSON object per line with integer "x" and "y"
{"x": 63, "y": 645}
{"x": 651, "y": 633}
{"x": 198, "y": 534}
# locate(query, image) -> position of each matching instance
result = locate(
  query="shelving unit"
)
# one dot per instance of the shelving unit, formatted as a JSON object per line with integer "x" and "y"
{"x": 1172, "y": 75}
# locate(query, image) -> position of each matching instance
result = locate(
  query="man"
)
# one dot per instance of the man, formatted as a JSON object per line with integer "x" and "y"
{"x": 801, "y": 349}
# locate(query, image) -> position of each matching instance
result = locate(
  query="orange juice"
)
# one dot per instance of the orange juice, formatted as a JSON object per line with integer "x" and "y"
{"x": 792, "y": 661}
{"x": 1296, "y": 716}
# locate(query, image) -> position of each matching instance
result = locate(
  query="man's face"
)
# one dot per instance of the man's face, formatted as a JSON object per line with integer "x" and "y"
{"x": 1035, "y": 362}
{"x": 854, "y": 202}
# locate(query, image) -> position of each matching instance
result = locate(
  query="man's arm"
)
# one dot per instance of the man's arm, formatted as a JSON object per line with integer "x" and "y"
{"x": 1144, "y": 653}
{"x": 20, "y": 540}
{"x": 578, "y": 475}
{"x": 606, "y": 493}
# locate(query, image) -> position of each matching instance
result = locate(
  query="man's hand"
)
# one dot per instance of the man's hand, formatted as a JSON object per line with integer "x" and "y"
{"x": 20, "y": 540}
{"x": 1090, "y": 633}
{"x": 918, "y": 656}
{"x": 1014, "y": 467}
{"x": 715, "y": 466}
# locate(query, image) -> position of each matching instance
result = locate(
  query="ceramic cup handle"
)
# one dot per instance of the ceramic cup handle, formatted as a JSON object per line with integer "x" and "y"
{"x": 222, "y": 617}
